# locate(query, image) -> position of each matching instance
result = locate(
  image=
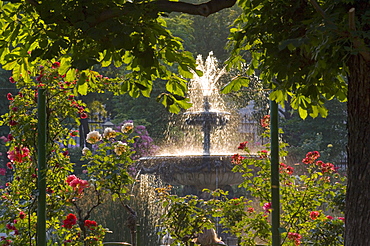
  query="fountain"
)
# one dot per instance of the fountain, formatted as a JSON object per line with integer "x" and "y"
{"x": 206, "y": 168}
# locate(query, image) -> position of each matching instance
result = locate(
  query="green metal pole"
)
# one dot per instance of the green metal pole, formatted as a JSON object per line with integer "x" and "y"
{"x": 275, "y": 196}
{"x": 138, "y": 235}
{"x": 41, "y": 207}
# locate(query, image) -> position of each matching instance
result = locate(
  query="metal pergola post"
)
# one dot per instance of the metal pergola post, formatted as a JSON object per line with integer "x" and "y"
{"x": 41, "y": 201}
{"x": 275, "y": 196}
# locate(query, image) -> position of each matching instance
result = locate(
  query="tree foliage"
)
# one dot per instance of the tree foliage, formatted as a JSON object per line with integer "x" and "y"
{"x": 77, "y": 34}
{"x": 298, "y": 52}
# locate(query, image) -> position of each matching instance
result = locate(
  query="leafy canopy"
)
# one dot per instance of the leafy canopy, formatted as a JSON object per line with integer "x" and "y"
{"x": 298, "y": 52}
{"x": 81, "y": 34}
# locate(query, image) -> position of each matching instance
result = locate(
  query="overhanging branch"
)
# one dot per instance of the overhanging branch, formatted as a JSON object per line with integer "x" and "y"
{"x": 203, "y": 9}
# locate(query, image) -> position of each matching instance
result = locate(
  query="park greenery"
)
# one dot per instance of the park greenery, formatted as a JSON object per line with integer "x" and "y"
{"x": 304, "y": 52}
{"x": 109, "y": 169}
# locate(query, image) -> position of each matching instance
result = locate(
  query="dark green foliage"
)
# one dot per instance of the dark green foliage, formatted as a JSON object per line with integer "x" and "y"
{"x": 326, "y": 135}
{"x": 298, "y": 53}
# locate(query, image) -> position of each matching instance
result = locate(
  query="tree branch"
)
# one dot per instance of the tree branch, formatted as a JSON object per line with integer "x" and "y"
{"x": 358, "y": 43}
{"x": 32, "y": 2}
{"x": 203, "y": 9}
{"x": 318, "y": 8}
{"x": 351, "y": 19}
{"x": 321, "y": 12}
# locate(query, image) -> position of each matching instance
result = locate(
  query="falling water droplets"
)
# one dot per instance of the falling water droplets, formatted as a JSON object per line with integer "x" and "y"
{"x": 183, "y": 139}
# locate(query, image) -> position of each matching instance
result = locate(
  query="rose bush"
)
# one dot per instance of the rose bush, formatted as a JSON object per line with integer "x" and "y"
{"x": 312, "y": 200}
{"x": 68, "y": 219}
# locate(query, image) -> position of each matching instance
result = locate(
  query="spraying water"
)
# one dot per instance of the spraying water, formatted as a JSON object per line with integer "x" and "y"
{"x": 207, "y": 128}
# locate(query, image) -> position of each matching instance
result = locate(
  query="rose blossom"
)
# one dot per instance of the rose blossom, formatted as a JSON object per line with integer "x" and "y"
{"x": 70, "y": 221}
{"x": 10, "y": 96}
{"x": 243, "y": 145}
{"x": 237, "y": 159}
{"x": 109, "y": 133}
{"x": 22, "y": 215}
{"x": 127, "y": 127}
{"x": 19, "y": 154}
{"x": 295, "y": 237}
{"x": 267, "y": 207}
{"x": 55, "y": 65}
{"x": 93, "y": 137}
{"x": 83, "y": 115}
{"x": 85, "y": 150}
{"x": 120, "y": 148}
{"x": 265, "y": 121}
{"x": 263, "y": 153}
{"x": 91, "y": 224}
{"x": 311, "y": 157}
{"x": 314, "y": 215}
{"x": 77, "y": 184}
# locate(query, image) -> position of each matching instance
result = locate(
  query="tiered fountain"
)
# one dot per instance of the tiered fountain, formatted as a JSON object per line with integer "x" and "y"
{"x": 205, "y": 169}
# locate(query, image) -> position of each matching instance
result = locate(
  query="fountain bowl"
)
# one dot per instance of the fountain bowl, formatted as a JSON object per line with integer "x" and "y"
{"x": 202, "y": 171}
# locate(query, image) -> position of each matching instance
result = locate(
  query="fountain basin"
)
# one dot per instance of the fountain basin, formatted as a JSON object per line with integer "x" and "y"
{"x": 201, "y": 171}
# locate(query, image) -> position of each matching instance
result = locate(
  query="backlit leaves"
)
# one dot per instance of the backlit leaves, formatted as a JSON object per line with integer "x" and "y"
{"x": 236, "y": 84}
{"x": 79, "y": 33}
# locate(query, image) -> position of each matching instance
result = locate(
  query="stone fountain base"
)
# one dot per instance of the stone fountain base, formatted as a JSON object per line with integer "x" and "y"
{"x": 201, "y": 171}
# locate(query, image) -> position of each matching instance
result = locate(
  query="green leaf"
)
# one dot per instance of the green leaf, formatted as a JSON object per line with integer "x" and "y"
{"x": 125, "y": 87}
{"x": 323, "y": 111}
{"x": 173, "y": 108}
{"x": 82, "y": 84}
{"x": 71, "y": 75}
{"x": 235, "y": 84}
{"x": 71, "y": 142}
{"x": 184, "y": 71}
{"x": 177, "y": 86}
{"x": 83, "y": 78}
{"x": 107, "y": 58}
{"x": 184, "y": 103}
{"x": 141, "y": 86}
{"x": 65, "y": 64}
{"x": 170, "y": 56}
{"x": 278, "y": 96}
{"x": 302, "y": 112}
